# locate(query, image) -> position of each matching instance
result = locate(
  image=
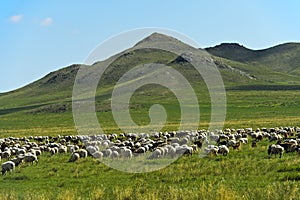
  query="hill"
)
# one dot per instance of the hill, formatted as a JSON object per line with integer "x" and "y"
{"x": 281, "y": 60}
{"x": 46, "y": 104}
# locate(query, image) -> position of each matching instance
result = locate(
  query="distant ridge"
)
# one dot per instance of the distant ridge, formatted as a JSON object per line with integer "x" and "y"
{"x": 237, "y": 52}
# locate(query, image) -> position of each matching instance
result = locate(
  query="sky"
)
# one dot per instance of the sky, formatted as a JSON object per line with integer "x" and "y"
{"x": 38, "y": 37}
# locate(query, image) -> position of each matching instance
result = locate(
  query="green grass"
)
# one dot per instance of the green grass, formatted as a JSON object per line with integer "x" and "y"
{"x": 246, "y": 108}
{"x": 247, "y": 173}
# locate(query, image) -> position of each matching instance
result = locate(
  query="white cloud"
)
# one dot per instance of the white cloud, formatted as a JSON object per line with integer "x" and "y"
{"x": 47, "y": 22}
{"x": 16, "y": 18}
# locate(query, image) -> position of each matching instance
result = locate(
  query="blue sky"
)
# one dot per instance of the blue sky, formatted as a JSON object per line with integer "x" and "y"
{"x": 38, "y": 37}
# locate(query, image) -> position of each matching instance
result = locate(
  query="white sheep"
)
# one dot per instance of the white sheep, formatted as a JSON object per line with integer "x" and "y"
{"x": 6, "y": 154}
{"x": 224, "y": 150}
{"x": 17, "y": 160}
{"x": 156, "y": 154}
{"x": 140, "y": 150}
{"x": 62, "y": 149}
{"x": 107, "y": 152}
{"x": 52, "y": 151}
{"x": 244, "y": 140}
{"x": 82, "y": 152}
{"x": 74, "y": 156}
{"x": 91, "y": 149}
{"x": 97, "y": 155}
{"x": 20, "y": 151}
{"x": 211, "y": 150}
{"x": 30, "y": 158}
{"x": 7, "y": 166}
{"x": 171, "y": 151}
{"x": 115, "y": 154}
{"x": 275, "y": 149}
{"x": 126, "y": 153}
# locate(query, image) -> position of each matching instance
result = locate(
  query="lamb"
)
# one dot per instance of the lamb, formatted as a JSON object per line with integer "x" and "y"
{"x": 275, "y": 149}
{"x": 8, "y": 166}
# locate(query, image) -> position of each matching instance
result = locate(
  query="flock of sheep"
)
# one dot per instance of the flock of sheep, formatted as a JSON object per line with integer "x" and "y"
{"x": 16, "y": 151}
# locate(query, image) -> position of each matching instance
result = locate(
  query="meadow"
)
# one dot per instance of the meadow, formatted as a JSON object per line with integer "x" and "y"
{"x": 247, "y": 173}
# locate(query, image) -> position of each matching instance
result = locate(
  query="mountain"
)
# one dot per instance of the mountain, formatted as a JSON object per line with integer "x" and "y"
{"x": 282, "y": 58}
{"x": 232, "y": 51}
{"x": 241, "y": 69}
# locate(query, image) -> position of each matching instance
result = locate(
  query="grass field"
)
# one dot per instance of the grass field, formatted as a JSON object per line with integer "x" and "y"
{"x": 243, "y": 174}
{"x": 246, "y": 108}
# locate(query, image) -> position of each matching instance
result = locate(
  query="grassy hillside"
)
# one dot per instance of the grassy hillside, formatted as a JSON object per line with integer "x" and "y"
{"x": 281, "y": 60}
{"x": 258, "y": 92}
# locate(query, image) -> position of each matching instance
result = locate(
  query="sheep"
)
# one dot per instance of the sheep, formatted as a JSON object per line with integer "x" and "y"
{"x": 184, "y": 150}
{"x": 211, "y": 150}
{"x": 171, "y": 151}
{"x": 140, "y": 150}
{"x": 6, "y": 154}
{"x": 38, "y": 152}
{"x": 231, "y": 143}
{"x": 97, "y": 155}
{"x": 62, "y": 149}
{"x": 234, "y": 144}
{"x": 91, "y": 149}
{"x": 8, "y": 166}
{"x": 20, "y": 151}
{"x": 82, "y": 152}
{"x": 107, "y": 153}
{"x": 244, "y": 140}
{"x": 74, "y": 156}
{"x": 155, "y": 154}
{"x": 17, "y": 160}
{"x": 126, "y": 153}
{"x": 275, "y": 149}
{"x": 52, "y": 151}
{"x": 223, "y": 149}
{"x": 115, "y": 154}
{"x": 72, "y": 148}
{"x": 30, "y": 158}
